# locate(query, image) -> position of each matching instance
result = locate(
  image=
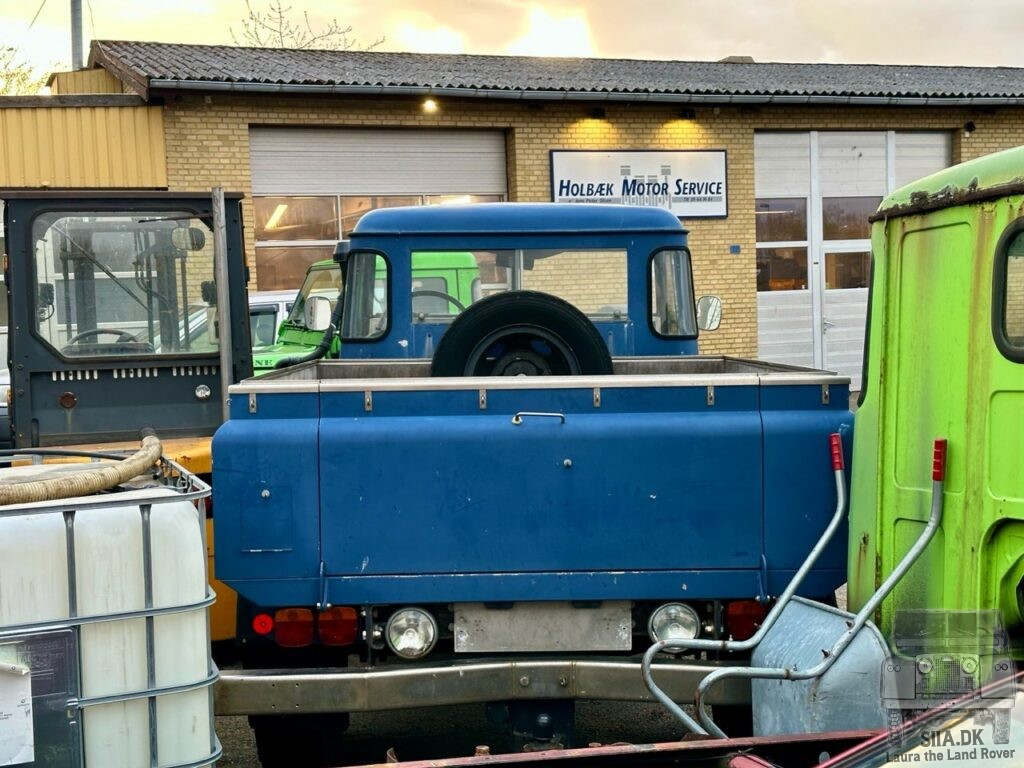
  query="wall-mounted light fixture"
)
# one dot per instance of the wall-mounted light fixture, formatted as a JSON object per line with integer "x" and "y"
{"x": 598, "y": 113}
{"x": 968, "y": 129}
{"x": 429, "y": 106}
{"x": 686, "y": 113}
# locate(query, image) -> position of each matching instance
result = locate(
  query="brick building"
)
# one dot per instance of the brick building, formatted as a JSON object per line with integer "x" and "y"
{"x": 801, "y": 154}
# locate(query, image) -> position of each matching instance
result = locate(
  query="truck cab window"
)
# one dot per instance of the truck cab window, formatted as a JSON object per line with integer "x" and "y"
{"x": 1013, "y": 294}
{"x": 673, "y": 313}
{"x": 366, "y": 296}
{"x": 123, "y": 284}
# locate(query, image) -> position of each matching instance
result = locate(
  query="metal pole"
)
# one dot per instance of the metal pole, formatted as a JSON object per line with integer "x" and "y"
{"x": 77, "y": 61}
{"x": 220, "y": 275}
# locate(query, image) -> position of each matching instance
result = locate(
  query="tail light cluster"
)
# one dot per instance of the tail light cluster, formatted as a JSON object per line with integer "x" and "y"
{"x": 743, "y": 618}
{"x": 299, "y": 627}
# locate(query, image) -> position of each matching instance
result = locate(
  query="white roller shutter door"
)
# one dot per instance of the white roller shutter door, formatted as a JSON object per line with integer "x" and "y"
{"x": 372, "y": 161}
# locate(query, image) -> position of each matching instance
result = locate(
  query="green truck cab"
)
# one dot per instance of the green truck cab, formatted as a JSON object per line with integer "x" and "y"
{"x": 443, "y": 285}
{"x": 945, "y": 359}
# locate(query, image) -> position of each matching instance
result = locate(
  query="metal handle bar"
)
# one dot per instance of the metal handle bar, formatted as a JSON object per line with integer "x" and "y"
{"x": 518, "y": 418}
{"x": 836, "y": 451}
{"x": 830, "y": 656}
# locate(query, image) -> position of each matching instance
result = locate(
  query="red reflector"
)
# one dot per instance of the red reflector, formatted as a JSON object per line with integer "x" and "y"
{"x": 939, "y": 461}
{"x": 293, "y": 627}
{"x": 262, "y": 624}
{"x": 743, "y": 617}
{"x": 338, "y": 626}
{"x": 836, "y": 446}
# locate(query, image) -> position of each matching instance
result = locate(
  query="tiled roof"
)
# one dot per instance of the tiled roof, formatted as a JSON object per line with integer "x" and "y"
{"x": 150, "y": 66}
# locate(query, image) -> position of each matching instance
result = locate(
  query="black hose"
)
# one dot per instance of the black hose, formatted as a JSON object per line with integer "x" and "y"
{"x": 325, "y": 342}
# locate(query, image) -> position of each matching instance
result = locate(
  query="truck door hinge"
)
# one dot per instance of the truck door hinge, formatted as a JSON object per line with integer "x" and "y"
{"x": 824, "y": 394}
{"x": 252, "y": 402}
{"x": 483, "y": 399}
{"x": 711, "y": 394}
{"x": 597, "y": 397}
{"x": 368, "y": 401}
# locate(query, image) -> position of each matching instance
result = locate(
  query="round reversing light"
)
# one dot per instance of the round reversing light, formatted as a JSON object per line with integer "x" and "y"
{"x": 673, "y": 621}
{"x": 411, "y": 633}
{"x": 924, "y": 665}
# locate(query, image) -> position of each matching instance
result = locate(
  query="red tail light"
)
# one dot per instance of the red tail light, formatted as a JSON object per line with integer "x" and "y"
{"x": 338, "y": 626}
{"x": 743, "y": 617}
{"x": 293, "y": 627}
{"x": 262, "y": 624}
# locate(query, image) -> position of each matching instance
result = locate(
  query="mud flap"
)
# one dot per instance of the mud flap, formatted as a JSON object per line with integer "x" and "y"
{"x": 847, "y": 696}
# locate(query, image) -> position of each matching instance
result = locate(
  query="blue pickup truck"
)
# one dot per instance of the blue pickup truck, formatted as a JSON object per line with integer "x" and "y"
{"x": 506, "y": 502}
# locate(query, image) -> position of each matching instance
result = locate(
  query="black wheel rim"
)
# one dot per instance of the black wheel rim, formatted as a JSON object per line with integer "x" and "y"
{"x": 522, "y": 350}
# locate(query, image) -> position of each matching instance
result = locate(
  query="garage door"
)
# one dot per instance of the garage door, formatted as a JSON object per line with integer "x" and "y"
{"x": 341, "y": 161}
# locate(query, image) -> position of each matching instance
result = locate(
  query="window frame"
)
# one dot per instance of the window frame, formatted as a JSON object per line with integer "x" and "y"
{"x": 791, "y": 244}
{"x": 150, "y": 358}
{"x": 388, "y": 291}
{"x": 1010, "y": 351}
{"x": 649, "y": 279}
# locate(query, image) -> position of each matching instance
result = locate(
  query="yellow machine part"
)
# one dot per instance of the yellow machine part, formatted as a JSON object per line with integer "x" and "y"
{"x": 193, "y": 453}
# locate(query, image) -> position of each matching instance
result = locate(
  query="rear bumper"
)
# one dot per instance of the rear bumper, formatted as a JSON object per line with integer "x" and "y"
{"x": 263, "y": 692}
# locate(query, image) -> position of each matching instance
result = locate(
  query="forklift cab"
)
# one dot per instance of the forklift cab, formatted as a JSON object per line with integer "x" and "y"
{"x": 112, "y": 315}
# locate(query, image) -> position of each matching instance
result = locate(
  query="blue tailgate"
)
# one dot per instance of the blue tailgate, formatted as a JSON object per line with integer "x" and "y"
{"x": 650, "y": 493}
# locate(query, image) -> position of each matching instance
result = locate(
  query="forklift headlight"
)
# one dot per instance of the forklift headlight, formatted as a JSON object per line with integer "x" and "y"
{"x": 673, "y": 621}
{"x": 411, "y": 633}
{"x": 969, "y": 665}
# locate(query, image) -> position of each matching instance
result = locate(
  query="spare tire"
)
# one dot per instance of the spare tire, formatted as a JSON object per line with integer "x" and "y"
{"x": 521, "y": 333}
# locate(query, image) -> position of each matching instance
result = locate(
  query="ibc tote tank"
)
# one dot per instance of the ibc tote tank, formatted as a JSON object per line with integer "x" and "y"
{"x": 128, "y": 571}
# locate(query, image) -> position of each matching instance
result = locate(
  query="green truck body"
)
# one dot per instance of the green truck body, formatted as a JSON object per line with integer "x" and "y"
{"x": 945, "y": 358}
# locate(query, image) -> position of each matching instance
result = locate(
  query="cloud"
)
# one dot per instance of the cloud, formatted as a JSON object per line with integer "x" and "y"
{"x": 551, "y": 34}
{"x": 422, "y": 35}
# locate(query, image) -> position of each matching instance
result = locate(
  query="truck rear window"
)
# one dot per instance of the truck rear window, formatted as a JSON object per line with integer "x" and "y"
{"x": 593, "y": 280}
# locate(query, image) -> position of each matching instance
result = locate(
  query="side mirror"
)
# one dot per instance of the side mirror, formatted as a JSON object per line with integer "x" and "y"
{"x": 188, "y": 238}
{"x": 709, "y": 313}
{"x": 316, "y": 314}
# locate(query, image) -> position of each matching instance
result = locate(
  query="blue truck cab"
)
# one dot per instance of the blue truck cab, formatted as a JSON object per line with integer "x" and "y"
{"x": 506, "y": 502}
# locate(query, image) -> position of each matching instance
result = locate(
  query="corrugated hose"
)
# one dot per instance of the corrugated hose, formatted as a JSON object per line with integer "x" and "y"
{"x": 88, "y": 481}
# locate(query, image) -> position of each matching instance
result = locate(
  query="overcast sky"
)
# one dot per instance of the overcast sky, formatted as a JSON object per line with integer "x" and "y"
{"x": 942, "y": 32}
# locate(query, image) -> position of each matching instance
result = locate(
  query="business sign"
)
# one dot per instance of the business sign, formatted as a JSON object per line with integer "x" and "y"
{"x": 689, "y": 183}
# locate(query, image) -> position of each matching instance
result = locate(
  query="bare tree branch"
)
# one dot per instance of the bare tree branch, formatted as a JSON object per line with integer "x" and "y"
{"x": 274, "y": 28}
{"x": 17, "y": 77}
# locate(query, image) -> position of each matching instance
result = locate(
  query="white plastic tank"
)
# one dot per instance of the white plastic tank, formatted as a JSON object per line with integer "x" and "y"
{"x": 110, "y": 580}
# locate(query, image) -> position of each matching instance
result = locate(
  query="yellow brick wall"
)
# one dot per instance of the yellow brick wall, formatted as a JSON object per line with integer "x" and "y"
{"x": 207, "y": 144}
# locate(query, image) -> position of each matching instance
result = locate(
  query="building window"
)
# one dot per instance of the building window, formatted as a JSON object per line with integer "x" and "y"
{"x": 781, "y": 219}
{"x": 296, "y": 218}
{"x": 781, "y": 230}
{"x": 282, "y": 268}
{"x": 782, "y": 269}
{"x": 846, "y": 218}
{"x": 293, "y": 232}
{"x": 847, "y": 270}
